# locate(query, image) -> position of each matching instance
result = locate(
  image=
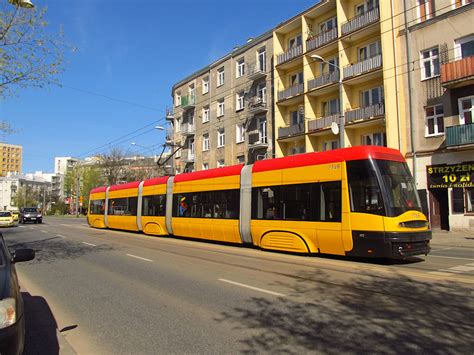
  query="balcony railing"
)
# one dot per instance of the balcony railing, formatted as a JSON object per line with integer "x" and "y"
{"x": 255, "y": 139}
{"x": 289, "y": 54}
{"x": 323, "y": 122}
{"x": 188, "y": 129}
{"x": 257, "y": 105}
{"x": 188, "y": 101}
{"x": 289, "y": 131}
{"x": 255, "y": 72}
{"x": 365, "y": 113}
{"x": 360, "y": 21}
{"x": 365, "y": 66}
{"x": 322, "y": 39}
{"x": 458, "y": 70}
{"x": 325, "y": 79}
{"x": 293, "y": 91}
{"x": 460, "y": 135}
{"x": 187, "y": 156}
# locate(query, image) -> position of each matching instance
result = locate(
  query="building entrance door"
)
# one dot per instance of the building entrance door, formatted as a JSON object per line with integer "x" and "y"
{"x": 439, "y": 209}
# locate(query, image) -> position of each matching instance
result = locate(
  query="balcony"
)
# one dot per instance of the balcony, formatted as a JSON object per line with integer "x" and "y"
{"x": 323, "y": 122}
{"x": 188, "y": 101}
{"x": 257, "y": 141}
{"x": 257, "y": 105}
{"x": 365, "y": 113}
{"x": 458, "y": 73}
{"x": 290, "y": 131}
{"x": 187, "y": 156}
{"x": 460, "y": 135}
{"x": 365, "y": 66}
{"x": 323, "y": 80}
{"x": 188, "y": 129}
{"x": 293, "y": 91}
{"x": 255, "y": 72}
{"x": 289, "y": 54}
{"x": 361, "y": 21}
{"x": 321, "y": 39}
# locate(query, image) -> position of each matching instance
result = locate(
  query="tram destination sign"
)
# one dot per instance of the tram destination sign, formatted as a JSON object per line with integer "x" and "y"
{"x": 450, "y": 175}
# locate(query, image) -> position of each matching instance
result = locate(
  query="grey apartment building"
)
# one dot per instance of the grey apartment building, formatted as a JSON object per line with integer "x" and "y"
{"x": 438, "y": 45}
{"x": 222, "y": 114}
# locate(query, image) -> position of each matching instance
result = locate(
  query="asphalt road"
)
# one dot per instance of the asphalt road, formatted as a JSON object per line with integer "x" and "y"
{"x": 118, "y": 292}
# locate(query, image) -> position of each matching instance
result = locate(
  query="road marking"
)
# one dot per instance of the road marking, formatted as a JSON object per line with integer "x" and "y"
{"x": 461, "y": 268}
{"x": 441, "y": 273}
{"x": 64, "y": 225}
{"x": 435, "y": 250}
{"x": 450, "y": 257}
{"x": 92, "y": 245}
{"x": 253, "y": 288}
{"x": 139, "y": 257}
{"x": 43, "y": 231}
{"x": 60, "y": 236}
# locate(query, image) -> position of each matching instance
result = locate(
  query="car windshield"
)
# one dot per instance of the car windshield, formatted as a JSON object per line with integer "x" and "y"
{"x": 29, "y": 210}
{"x": 5, "y": 214}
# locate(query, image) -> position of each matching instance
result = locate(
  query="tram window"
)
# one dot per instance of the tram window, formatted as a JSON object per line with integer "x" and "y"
{"x": 300, "y": 202}
{"x": 330, "y": 207}
{"x": 266, "y": 202}
{"x": 222, "y": 204}
{"x": 154, "y": 205}
{"x": 123, "y": 206}
{"x": 97, "y": 207}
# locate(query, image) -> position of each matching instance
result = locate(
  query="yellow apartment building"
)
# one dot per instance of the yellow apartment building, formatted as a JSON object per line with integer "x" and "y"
{"x": 11, "y": 157}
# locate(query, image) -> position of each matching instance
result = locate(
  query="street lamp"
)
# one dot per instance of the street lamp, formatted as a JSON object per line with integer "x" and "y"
{"x": 26, "y": 4}
{"x": 318, "y": 58}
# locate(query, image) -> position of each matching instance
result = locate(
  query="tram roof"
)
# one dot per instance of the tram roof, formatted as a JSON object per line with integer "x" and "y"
{"x": 96, "y": 190}
{"x": 209, "y": 174}
{"x": 332, "y": 156}
{"x": 156, "y": 181}
{"x": 130, "y": 185}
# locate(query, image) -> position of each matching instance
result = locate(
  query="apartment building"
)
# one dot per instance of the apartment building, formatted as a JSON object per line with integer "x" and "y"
{"x": 11, "y": 159}
{"x": 32, "y": 188}
{"x": 438, "y": 44}
{"x": 223, "y": 113}
{"x": 335, "y": 81}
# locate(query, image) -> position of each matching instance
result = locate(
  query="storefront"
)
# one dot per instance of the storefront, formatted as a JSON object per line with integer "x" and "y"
{"x": 451, "y": 196}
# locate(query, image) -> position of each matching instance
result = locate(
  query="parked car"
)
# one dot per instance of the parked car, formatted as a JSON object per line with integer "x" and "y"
{"x": 30, "y": 214}
{"x": 6, "y": 219}
{"x": 16, "y": 215}
{"x": 12, "y": 320}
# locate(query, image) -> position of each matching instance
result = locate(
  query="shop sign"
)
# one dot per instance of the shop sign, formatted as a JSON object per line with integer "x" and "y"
{"x": 450, "y": 175}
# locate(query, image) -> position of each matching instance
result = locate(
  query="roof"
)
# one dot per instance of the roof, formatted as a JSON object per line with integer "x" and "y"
{"x": 130, "y": 185}
{"x": 332, "y": 156}
{"x": 156, "y": 181}
{"x": 98, "y": 189}
{"x": 209, "y": 174}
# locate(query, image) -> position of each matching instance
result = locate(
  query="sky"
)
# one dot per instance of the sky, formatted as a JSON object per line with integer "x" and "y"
{"x": 129, "y": 53}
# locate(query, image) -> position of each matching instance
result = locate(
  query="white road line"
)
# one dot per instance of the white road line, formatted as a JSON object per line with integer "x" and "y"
{"x": 435, "y": 250}
{"x": 441, "y": 273}
{"x": 92, "y": 245}
{"x": 43, "y": 231}
{"x": 450, "y": 257}
{"x": 462, "y": 268}
{"x": 60, "y": 236}
{"x": 139, "y": 257}
{"x": 64, "y": 225}
{"x": 253, "y": 288}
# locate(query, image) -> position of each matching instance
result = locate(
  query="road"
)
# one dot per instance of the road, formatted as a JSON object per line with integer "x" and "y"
{"x": 113, "y": 292}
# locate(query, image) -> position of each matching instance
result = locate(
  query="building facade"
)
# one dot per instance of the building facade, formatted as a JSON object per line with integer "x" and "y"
{"x": 438, "y": 43}
{"x": 223, "y": 113}
{"x": 11, "y": 159}
{"x": 30, "y": 186}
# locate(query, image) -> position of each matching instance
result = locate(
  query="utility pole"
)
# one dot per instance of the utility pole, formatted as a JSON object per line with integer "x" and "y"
{"x": 78, "y": 194}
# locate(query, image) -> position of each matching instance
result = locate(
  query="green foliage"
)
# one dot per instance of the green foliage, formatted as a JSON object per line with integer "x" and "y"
{"x": 27, "y": 197}
{"x": 29, "y": 55}
{"x": 59, "y": 208}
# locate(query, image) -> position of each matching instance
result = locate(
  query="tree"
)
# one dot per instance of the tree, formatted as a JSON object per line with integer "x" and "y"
{"x": 29, "y": 56}
{"x": 27, "y": 197}
{"x": 113, "y": 166}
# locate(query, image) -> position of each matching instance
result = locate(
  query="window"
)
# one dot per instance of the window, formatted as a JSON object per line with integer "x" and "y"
{"x": 464, "y": 47}
{"x": 239, "y": 101}
{"x": 178, "y": 125}
{"x": 220, "y": 108}
{"x": 205, "y": 85}
{"x": 223, "y": 204}
{"x": 261, "y": 59}
{"x": 331, "y": 107}
{"x": 328, "y": 24}
{"x": 425, "y": 10}
{"x": 296, "y": 79}
{"x": 220, "y": 163}
{"x": 239, "y": 133}
{"x": 191, "y": 147}
{"x": 261, "y": 93}
{"x": 220, "y": 77}
{"x": 241, "y": 159}
{"x": 240, "y": 68}
{"x": 178, "y": 99}
{"x": 296, "y": 117}
{"x": 331, "y": 65}
{"x": 466, "y": 109}
{"x": 220, "y": 138}
{"x": 370, "y": 50}
{"x": 191, "y": 91}
{"x": 205, "y": 142}
{"x": 330, "y": 145}
{"x": 372, "y": 96}
{"x": 377, "y": 138}
{"x": 294, "y": 42}
{"x": 205, "y": 114}
{"x": 262, "y": 130}
{"x": 299, "y": 202}
{"x": 205, "y": 166}
{"x": 123, "y": 206}
{"x": 297, "y": 150}
{"x": 96, "y": 206}
{"x": 469, "y": 199}
{"x": 154, "y": 205}
{"x": 429, "y": 63}
{"x": 434, "y": 120}
{"x": 457, "y": 200}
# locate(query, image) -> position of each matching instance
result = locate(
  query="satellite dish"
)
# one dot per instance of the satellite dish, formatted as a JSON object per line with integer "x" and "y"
{"x": 334, "y": 128}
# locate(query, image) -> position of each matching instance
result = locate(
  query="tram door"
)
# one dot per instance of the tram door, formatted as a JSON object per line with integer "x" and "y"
{"x": 439, "y": 209}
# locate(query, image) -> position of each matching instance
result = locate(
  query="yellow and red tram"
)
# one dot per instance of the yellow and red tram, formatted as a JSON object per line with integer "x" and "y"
{"x": 358, "y": 201}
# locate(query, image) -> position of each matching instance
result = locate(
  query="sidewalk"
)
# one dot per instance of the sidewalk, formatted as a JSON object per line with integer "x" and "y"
{"x": 453, "y": 239}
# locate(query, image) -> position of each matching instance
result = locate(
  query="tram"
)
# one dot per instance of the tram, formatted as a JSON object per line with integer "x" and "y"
{"x": 359, "y": 201}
